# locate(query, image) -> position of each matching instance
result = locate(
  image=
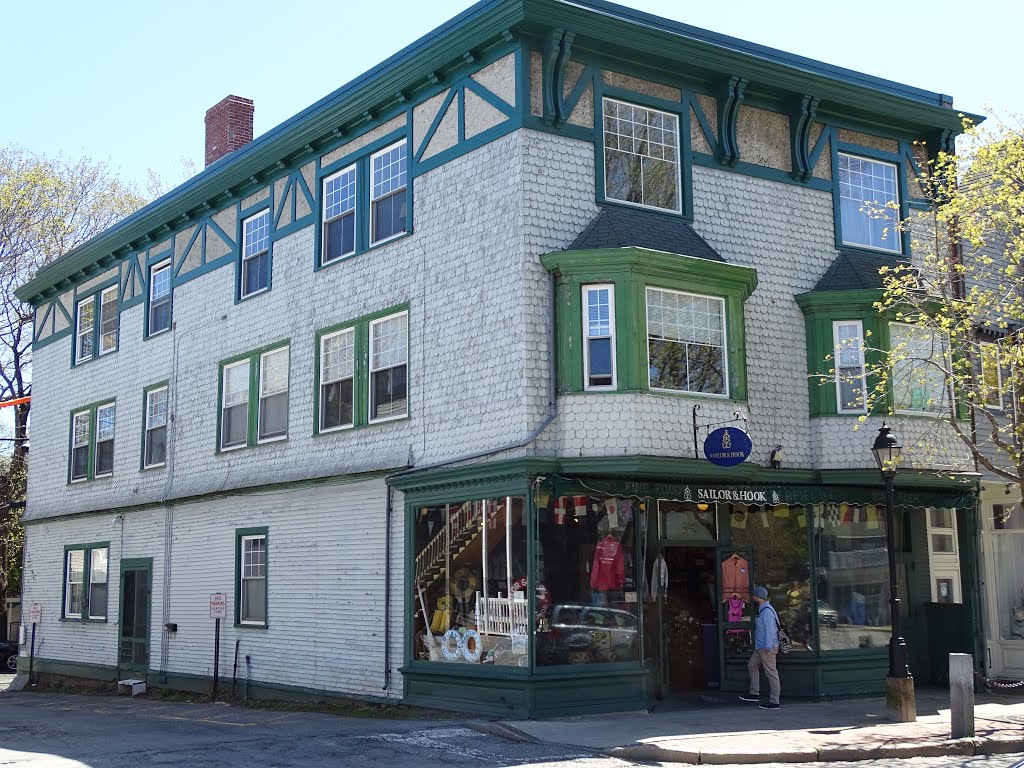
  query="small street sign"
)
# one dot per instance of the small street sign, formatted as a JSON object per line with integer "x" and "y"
{"x": 218, "y": 605}
{"x": 35, "y": 613}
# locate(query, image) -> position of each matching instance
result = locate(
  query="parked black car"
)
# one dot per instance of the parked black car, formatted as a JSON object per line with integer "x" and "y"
{"x": 8, "y": 656}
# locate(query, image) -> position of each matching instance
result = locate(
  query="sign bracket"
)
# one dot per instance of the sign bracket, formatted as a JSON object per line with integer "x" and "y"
{"x": 736, "y": 416}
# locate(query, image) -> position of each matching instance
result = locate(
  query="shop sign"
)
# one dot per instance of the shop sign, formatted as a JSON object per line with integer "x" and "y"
{"x": 727, "y": 447}
{"x": 739, "y": 495}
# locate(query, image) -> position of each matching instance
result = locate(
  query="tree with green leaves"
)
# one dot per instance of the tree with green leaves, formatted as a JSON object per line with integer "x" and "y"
{"x": 958, "y": 349}
{"x": 48, "y": 207}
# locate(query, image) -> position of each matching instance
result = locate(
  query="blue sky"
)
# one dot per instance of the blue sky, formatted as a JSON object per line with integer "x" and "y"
{"x": 131, "y": 82}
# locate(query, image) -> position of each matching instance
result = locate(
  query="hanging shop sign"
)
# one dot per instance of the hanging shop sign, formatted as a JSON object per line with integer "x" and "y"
{"x": 727, "y": 447}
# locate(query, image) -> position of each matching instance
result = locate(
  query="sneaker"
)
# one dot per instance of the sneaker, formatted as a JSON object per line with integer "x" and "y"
{"x": 770, "y": 705}
{"x": 750, "y": 697}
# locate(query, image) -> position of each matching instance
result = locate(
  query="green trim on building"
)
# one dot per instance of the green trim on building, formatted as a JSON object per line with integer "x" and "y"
{"x": 87, "y": 550}
{"x": 632, "y": 271}
{"x": 165, "y": 384}
{"x": 253, "y": 403}
{"x": 91, "y": 409}
{"x": 241, "y": 533}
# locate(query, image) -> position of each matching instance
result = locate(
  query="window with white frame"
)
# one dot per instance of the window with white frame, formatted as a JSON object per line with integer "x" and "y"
{"x": 599, "y": 337}
{"x": 108, "y": 320}
{"x": 641, "y": 155}
{"x": 256, "y": 253}
{"x": 389, "y": 356}
{"x": 234, "y": 415}
{"x": 919, "y": 362}
{"x": 252, "y": 586}
{"x": 85, "y": 322}
{"x": 869, "y": 203}
{"x": 85, "y": 582}
{"x": 273, "y": 407}
{"x": 337, "y": 379}
{"x": 991, "y": 376}
{"x": 159, "y": 298}
{"x": 388, "y": 199}
{"x": 81, "y": 423}
{"x": 339, "y": 226}
{"x": 686, "y": 342}
{"x": 155, "y": 448}
{"x": 848, "y": 355}
{"x": 105, "y": 417}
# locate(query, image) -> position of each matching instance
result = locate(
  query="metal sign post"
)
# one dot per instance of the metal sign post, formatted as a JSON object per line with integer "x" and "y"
{"x": 218, "y": 611}
{"x": 35, "y": 616}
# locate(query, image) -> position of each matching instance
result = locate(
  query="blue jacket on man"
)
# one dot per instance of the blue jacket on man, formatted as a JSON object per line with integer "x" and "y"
{"x": 766, "y": 628}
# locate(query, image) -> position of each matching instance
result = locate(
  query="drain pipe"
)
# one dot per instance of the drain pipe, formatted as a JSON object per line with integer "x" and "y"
{"x": 387, "y": 590}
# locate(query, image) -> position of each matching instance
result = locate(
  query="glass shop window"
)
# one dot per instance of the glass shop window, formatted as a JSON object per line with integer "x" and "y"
{"x": 1008, "y": 559}
{"x": 470, "y": 579}
{"x": 587, "y": 583}
{"x": 773, "y": 540}
{"x": 852, "y": 576}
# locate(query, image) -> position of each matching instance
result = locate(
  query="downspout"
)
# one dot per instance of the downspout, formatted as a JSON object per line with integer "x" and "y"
{"x": 387, "y": 591}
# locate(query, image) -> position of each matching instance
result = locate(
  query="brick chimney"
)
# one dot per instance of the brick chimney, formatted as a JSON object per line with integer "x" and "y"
{"x": 228, "y": 127}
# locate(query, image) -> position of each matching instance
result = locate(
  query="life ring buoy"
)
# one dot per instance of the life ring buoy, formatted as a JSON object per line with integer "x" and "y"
{"x": 451, "y": 645}
{"x": 471, "y": 645}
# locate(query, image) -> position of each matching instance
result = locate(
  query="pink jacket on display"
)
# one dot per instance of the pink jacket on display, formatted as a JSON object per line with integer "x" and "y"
{"x": 609, "y": 568}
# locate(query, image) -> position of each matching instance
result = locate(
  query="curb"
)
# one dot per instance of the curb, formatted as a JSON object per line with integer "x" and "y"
{"x": 502, "y": 730}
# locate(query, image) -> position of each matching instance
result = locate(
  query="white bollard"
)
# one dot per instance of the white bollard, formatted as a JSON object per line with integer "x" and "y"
{"x": 961, "y": 695}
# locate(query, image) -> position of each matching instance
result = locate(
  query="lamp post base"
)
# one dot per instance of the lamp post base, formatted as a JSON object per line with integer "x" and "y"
{"x": 899, "y": 699}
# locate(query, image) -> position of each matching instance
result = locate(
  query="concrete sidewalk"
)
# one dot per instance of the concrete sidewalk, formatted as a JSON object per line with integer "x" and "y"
{"x": 717, "y": 728}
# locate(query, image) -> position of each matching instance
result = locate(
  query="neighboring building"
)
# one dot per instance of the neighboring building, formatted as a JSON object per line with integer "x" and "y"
{"x": 441, "y": 352}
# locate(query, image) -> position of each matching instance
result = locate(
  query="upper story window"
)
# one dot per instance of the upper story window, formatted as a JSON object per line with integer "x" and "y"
{"x": 256, "y": 253}
{"x": 848, "y": 356}
{"x": 92, "y": 442}
{"x": 992, "y": 376}
{"x": 154, "y": 449}
{"x": 85, "y": 582}
{"x": 96, "y": 330}
{"x": 919, "y": 366}
{"x": 337, "y": 379}
{"x": 389, "y": 202}
{"x": 389, "y": 376}
{"x": 641, "y": 155}
{"x": 599, "y": 337}
{"x": 869, "y": 203}
{"x": 159, "y": 315}
{"x": 339, "y": 226}
{"x": 686, "y": 342}
{"x": 254, "y": 398}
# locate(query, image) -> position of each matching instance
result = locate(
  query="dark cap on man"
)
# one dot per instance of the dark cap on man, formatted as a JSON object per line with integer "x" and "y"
{"x": 761, "y": 592}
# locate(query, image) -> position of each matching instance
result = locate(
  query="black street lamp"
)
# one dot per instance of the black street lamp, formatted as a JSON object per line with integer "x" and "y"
{"x": 887, "y": 455}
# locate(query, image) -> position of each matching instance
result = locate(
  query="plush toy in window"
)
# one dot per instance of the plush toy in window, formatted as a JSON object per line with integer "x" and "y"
{"x": 442, "y": 618}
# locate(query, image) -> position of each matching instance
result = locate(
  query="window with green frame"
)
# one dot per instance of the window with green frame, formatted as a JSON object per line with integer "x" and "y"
{"x": 91, "y": 453}
{"x": 96, "y": 324}
{"x": 85, "y": 582}
{"x": 688, "y": 312}
{"x": 253, "y": 398}
{"x": 251, "y": 577}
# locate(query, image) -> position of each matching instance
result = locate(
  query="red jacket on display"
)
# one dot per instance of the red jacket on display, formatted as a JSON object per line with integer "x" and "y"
{"x": 609, "y": 568}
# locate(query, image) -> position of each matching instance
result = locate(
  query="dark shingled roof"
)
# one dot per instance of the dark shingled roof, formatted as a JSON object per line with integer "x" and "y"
{"x": 624, "y": 227}
{"x": 851, "y": 271}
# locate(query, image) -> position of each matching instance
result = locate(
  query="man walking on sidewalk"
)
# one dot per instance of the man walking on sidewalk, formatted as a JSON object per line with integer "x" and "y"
{"x": 766, "y": 651}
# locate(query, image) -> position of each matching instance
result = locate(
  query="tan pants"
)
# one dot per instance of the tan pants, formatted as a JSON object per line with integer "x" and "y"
{"x": 761, "y": 659}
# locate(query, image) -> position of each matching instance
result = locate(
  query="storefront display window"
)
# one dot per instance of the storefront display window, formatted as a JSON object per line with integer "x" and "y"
{"x": 1008, "y": 558}
{"x": 587, "y": 583}
{"x": 470, "y": 601}
{"x": 774, "y": 539}
{"x": 687, "y": 521}
{"x": 852, "y": 576}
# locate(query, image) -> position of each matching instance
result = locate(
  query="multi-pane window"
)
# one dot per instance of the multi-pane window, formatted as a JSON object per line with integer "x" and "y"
{"x": 80, "y": 431}
{"x": 599, "y": 337}
{"x": 105, "y": 416}
{"x": 85, "y": 322}
{"x": 337, "y": 378}
{"x": 339, "y": 230}
{"x": 108, "y": 320}
{"x": 389, "y": 356}
{"x": 159, "y": 298}
{"x": 848, "y": 355}
{"x": 919, "y": 361}
{"x": 252, "y": 585}
{"x": 155, "y": 448}
{"x": 686, "y": 342}
{"x": 273, "y": 409}
{"x": 234, "y": 416}
{"x": 641, "y": 155}
{"x": 85, "y": 582}
{"x": 869, "y": 203}
{"x": 388, "y": 199}
{"x": 256, "y": 253}
{"x": 991, "y": 377}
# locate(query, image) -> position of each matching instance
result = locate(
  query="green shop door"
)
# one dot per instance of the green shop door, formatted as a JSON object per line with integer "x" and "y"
{"x": 133, "y": 645}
